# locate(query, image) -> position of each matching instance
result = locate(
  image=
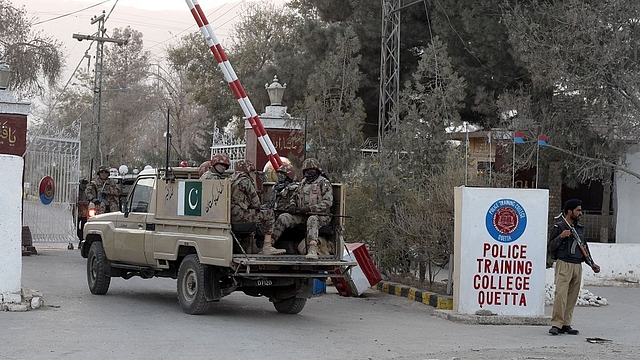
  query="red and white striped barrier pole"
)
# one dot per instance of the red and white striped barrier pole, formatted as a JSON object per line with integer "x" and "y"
{"x": 232, "y": 79}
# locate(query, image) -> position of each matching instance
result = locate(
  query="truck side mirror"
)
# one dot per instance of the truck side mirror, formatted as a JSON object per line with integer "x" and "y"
{"x": 125, "y": 208}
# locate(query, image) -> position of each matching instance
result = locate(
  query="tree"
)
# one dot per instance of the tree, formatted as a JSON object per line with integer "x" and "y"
{"x": 208, "y": 88}
{"x": 31, "y": 55}
{"x": 263, "y": 31}
{"x": 409, "y": 186}
{"x": 335, "y": 113}
{"x": 129, "y": 113}
{"x": 478, "y": 43}
{"x": 582, "y": 57}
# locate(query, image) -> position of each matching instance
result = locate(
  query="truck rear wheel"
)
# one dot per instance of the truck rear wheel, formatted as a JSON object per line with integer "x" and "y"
{"x": 98, "y": 269}
{"x": 290, "y": 306}
{"x": 191, "y": 286}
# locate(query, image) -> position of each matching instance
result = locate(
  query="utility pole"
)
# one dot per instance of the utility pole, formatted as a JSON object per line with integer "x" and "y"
{"x": 100, "y": 39}
{"x": 390, "y": 67}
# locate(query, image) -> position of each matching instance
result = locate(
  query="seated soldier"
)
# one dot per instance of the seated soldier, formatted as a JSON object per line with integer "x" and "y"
{"x": 217, "y": 166}
{"x": 204, "y": 167}
{"x": 245, "y": 205}
{"x": 283, "y": 189}
{"x": 311, "y": 204}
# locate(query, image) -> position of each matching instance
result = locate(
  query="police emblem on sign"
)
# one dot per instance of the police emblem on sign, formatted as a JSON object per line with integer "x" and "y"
{"x": 506, "y": 220}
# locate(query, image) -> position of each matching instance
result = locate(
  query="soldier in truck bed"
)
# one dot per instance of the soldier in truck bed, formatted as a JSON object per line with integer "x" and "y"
{"x": 245, "y": 205}
{"x": 283, "y": 189}
{"x": 104, "y": 192}
{"x": 311, "y": 205}
{"x": 217, "y": 166}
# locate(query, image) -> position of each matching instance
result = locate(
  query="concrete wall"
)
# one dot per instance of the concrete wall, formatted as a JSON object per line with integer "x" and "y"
{"x": 619, "y": 265}
{"x": 626, "y": 198}
{"x": 10, "y": 227}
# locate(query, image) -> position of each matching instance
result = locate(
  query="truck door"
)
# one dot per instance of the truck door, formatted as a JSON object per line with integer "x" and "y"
{"x": 132, "y": 228}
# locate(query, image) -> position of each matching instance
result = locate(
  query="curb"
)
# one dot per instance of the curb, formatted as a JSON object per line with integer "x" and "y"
{"x": 439, "y": 301}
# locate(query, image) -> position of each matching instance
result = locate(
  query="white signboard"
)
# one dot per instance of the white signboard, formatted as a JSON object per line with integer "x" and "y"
{"x": 500, "y": 250}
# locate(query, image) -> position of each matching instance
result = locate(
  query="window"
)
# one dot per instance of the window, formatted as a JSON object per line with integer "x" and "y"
{"x": 141, "y": 196}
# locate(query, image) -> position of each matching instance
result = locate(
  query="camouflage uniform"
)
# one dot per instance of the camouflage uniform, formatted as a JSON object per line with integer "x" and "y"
{"x": 245, "y": 204}
{"x": 208, "y": 175}
{"x": 312, "y": 196}
{"x": 211, "y": 172}
{"x": 81, "y": 204}
{"x": 106, "y": 191}
{"x": 283, "y": 190}
{"x": 203, "y": 168}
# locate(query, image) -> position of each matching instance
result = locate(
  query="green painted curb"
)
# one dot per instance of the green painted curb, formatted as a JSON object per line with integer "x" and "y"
{"x": 439, "y": 301}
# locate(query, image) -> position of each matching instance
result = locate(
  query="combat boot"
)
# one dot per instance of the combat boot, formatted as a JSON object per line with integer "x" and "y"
{"x": 568, "y": 330}
{"x": 268, "y": 249}
{"x": 312, "y": 250}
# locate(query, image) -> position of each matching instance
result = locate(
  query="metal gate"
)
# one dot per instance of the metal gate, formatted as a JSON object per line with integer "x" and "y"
{"x": 228, "y": 144}
{"x": 53, "y": 152}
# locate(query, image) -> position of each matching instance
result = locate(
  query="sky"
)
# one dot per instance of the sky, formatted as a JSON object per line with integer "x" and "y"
{"x": 161, "y": 22}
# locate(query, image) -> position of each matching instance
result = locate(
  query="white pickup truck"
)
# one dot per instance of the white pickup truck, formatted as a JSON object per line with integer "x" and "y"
{"x": 178, "y": 226}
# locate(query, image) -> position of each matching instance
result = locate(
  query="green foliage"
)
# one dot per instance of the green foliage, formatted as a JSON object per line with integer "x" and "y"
{"x": 335, "y": 113}
{"x": 404, "y": 196}
{"x": 478, "y": 44}
{"x": 582, "y": 57}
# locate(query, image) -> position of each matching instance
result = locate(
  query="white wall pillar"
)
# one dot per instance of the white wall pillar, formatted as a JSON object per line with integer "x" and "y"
{"x": 10, "y": 227}
{"x": 626, "y": 200}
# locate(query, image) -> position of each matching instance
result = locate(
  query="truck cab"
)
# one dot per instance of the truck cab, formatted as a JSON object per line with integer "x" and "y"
{"x": 175, "y": 225}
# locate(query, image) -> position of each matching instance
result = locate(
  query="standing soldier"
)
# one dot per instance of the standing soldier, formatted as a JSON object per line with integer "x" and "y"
{"x": 284, "y": 189}
{"x": 217, "y": 166}
{"x": 245, "y": 205}
{"x": 83, "y": 208}
{"x": 104, "y": 192}
{"x": 311, "y": 204}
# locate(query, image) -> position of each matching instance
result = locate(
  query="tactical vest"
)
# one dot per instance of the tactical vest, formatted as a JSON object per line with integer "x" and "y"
{"x": 311, "y": 193}
{"x": 569, "y": 251}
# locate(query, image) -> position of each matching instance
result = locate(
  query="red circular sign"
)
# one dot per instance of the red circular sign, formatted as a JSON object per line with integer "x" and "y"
{"x": 47, "y": 190}
{"x": 505, "y": 220}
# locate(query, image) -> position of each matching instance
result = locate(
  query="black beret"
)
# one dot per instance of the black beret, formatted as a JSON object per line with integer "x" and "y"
{"x": 571, "y": 204}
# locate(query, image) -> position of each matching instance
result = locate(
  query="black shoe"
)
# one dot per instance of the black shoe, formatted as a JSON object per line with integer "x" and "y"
{"x": 568, "y": 330}
{"x": 554, "y": 330}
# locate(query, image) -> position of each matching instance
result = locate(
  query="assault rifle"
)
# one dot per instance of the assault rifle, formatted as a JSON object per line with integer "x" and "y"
{"x": 99, "y": 194}
{"x": 311, "y": 213}
{"x": 581, "y": 243}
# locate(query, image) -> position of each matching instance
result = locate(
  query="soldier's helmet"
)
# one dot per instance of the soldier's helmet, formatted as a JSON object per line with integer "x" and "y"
{"x": 101, "y": 169}
{"x": 287, "y": 170}
{"x": 220, "y": 159}
{"x": 244, "y": 166}
{"x": 203, "y": 167}
{"x": 311, "y": 163}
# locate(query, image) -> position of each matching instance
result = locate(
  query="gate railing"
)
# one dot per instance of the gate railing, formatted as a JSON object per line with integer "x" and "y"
{"x": 54, "y": 152}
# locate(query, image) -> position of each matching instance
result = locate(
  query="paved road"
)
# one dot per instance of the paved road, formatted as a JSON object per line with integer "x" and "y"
{"x": 141, "y": 319}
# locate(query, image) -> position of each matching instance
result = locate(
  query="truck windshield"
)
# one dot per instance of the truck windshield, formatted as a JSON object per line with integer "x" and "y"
{"x": 141, "y": 196}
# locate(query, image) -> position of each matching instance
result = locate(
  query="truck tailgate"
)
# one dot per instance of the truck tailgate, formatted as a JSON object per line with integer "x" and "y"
{"x": 300, "y": 267}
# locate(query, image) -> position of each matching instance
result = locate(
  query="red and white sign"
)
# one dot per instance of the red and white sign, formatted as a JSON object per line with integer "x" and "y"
{"x": 500, "y": 250}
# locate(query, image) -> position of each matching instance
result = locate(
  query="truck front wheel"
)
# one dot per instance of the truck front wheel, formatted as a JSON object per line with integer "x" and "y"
{"x": 290, "y": 306}
{"x": 98, "y": 269}
{"x": 191, "y": 286}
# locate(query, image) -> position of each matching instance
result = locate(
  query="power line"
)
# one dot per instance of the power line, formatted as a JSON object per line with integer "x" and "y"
{"x": 86, "y": 53}
{"x": 71, "y": 13}
{"x": 191, "y": 26}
